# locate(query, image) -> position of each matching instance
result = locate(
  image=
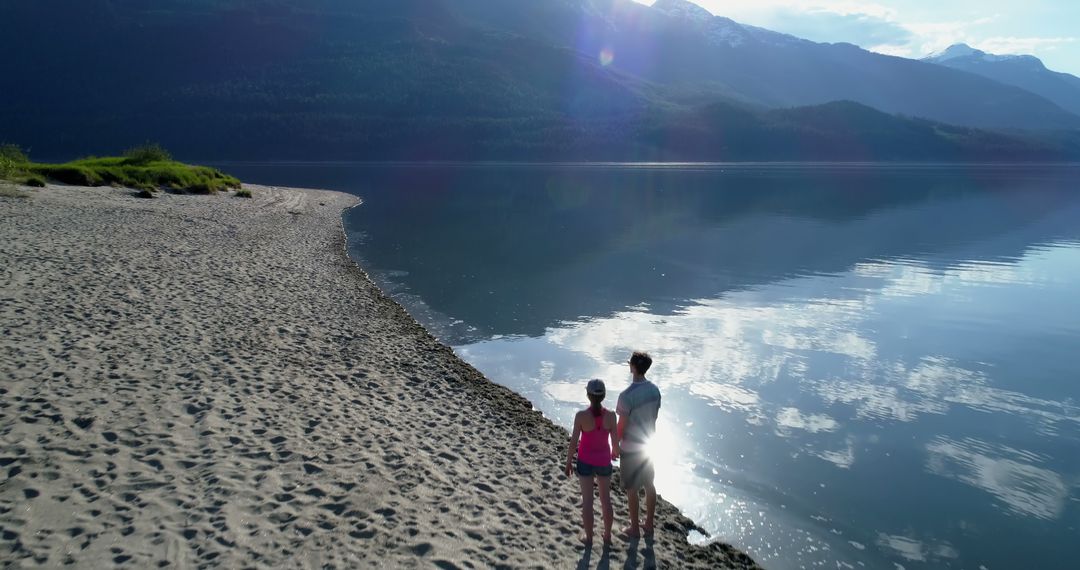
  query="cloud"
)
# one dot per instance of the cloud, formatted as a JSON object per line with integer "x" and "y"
{"x": 828, "y": 26}
{"x": 930, "y": 37}
{"x": 1014, "y": 45}
{"x": 853, "y": 21}
{"x": 878, "y": 27}
{"x": 884, "y": 30}
{"x": 752, "y": 8}
{"x": 862, "y": 23}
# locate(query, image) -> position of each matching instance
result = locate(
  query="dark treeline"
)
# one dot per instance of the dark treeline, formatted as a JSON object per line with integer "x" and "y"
{"x": 403, "y": 79}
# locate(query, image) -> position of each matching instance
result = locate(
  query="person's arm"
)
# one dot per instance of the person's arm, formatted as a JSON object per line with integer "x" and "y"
{"x": 623, "y": 411}
{"x": 613, "y": 432}
{"x": 620, "y": 431}
{"x": 620, "y": 427}
{"x": 573, "y": 446}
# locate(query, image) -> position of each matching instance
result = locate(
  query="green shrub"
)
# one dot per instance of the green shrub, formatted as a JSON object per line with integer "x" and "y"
{"x": 145, "y": 193}
{"x": 202, "y": 187}
{"x": 68, "y": 174}
{"x": 35, "y": 180}
{"x": 8, "y": 169}
{"x": 147, "y": 153}
{"x": 142, "y": 185}
{"x": 13, "y": 153}
{"x": 243, "y": 193}
{"x": 145, "y": 168}
{"x": 13, "y": 161}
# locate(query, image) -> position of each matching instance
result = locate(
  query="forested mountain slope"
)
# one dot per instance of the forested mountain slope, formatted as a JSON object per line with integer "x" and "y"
{"x": 404, "y": 79}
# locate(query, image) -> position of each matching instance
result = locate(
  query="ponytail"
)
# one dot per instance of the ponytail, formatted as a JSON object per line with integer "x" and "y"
{"x": 594, "y": 404}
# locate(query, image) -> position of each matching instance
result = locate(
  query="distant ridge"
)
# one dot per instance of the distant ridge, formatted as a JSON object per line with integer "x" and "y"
{"x": 1024, "y": 71}
{"x": 677, "y": 42}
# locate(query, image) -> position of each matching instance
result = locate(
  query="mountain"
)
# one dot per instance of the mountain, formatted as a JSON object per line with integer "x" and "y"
{"x": 677, "y": 43}
{"x": 455, "y": 80}
{"x": 1024, "y": 71}
{"x": 377, "y": 79}
{"x": 838, "y": 131}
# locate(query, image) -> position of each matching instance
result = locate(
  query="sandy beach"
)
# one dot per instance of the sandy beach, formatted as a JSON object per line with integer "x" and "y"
{"x": 210, "y": 381}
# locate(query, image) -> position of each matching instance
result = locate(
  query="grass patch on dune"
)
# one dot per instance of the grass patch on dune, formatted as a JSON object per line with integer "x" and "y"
{"x": 13, "y": 171}
{"x": 119, "y": 171}
{"x": 13, "y": 162}
{"x": 147, "y": 168}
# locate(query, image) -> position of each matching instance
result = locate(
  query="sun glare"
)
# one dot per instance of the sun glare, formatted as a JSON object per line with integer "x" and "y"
{"x": 606, "y": 56}
{"x": 662, "y": 448}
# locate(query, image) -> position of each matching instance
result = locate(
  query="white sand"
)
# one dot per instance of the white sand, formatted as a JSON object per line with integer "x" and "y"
{"x": 210, "y": 381}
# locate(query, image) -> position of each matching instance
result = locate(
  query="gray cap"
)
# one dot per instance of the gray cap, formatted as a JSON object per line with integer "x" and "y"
{"x": 596, "y": 387}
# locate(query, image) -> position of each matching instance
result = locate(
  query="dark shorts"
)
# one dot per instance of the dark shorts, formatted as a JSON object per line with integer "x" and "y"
{"x": 636, "y": 469}
{"x": 586, "y": 470}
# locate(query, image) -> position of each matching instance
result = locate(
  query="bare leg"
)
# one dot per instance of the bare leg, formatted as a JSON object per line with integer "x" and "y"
{"x": 587, "y": 507}
{"x": 650, "y": 507}
{"x": 632, "y": 500}
{"x": 605, "y": 504}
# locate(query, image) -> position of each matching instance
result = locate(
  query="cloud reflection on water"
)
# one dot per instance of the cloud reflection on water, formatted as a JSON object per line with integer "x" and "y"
{"x": 905, "y": 303}
{"x": 740, "y": 351}
{"x": 918, "y": 551}
{"x": 1007, "y": 474}
{"x": 792, "y": 418}
{"x": 843, "y": 458}
{"x": 724, "y": 350}
{"x": 840, "y": 371}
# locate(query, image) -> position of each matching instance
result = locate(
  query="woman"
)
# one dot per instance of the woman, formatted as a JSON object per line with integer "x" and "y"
{"x": 594, "y": 428}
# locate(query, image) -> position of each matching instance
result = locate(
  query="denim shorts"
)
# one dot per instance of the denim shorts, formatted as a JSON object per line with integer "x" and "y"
{"x": 586, "y": 470}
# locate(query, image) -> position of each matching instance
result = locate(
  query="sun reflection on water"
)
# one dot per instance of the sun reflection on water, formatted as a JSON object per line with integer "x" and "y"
{"x": 665, "y": 452}
{"x": 815, "y": 384}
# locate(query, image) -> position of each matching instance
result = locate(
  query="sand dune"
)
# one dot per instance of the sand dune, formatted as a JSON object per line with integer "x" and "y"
{"x": 210, "y": 381}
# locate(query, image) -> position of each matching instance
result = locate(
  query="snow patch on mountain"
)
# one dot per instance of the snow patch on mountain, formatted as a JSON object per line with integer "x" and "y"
{"x": 964, "y": 51}
{"x": 719, "y": 30}
{"x": 952, "y": 52}
{"x": 683, "y": 9}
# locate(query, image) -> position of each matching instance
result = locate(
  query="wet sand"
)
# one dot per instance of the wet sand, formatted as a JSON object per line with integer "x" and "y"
{"x": 211, "y": 381}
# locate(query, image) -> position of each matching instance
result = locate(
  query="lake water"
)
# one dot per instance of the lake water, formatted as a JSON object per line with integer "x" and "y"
{"x": 862, "y": 366}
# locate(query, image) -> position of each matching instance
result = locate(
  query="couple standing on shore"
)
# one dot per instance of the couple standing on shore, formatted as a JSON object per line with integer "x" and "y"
{"x": 628, "y": 428}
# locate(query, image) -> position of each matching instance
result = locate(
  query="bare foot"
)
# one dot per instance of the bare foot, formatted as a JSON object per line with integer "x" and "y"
{"x": 630, "y": 533}
{"x": 585, "y": 539}
{"x": 647, "y": 531}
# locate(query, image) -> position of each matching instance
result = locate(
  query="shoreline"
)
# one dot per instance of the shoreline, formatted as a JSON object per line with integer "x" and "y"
{"x": 208, "y": 380}
{"x": 658, "y": 165}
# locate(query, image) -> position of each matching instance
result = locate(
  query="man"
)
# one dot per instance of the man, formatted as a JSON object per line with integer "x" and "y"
{"x": 637, "y": 408}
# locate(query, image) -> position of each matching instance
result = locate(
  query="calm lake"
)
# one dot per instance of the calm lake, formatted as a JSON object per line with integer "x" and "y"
{"x": 862, "y": 366}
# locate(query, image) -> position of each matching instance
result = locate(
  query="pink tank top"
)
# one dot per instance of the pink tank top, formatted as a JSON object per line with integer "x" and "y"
{"x": 593, "y": 448}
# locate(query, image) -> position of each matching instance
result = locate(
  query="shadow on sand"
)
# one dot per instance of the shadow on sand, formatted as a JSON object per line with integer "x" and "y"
{"x": 648, "y": 555}
{"x": 603, "y": 563}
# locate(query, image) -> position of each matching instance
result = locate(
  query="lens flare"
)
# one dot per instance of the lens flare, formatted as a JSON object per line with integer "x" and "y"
{"x": 606, "y": 56}
{"x": 665, "y": 451}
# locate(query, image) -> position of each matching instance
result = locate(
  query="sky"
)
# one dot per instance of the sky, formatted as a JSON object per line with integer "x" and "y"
{"x": 1048, "y": 29}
